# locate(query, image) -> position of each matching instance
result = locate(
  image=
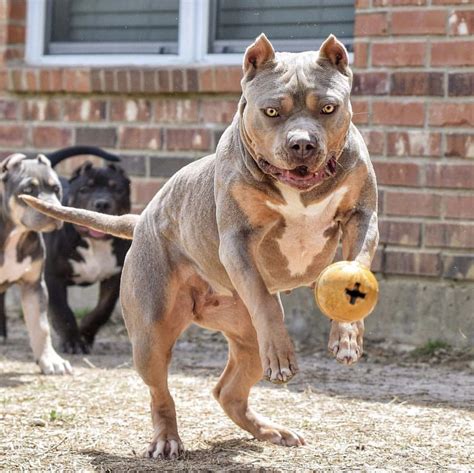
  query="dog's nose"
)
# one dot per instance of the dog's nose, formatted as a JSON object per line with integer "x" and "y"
{"x": 102, "y": 205}
{"x": 301, "y": 144}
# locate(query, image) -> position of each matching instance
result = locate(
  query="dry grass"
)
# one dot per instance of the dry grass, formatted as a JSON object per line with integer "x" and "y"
{"x": 375, "y": 415}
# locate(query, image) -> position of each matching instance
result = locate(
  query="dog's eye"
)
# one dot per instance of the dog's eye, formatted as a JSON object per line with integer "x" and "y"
{"x": 27, "y": 190}
{"x": 56, "y": 189}
{"x": 327, "y": 109}
{"x": 271, "y": 112}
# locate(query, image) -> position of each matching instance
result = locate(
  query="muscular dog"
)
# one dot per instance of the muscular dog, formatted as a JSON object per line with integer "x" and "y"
{"x": 79, "y": 256}
{"x": 22, "y": 251}
{"x": 291, "y": 177}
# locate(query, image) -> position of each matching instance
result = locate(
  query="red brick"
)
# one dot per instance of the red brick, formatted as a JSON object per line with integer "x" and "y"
{"x": 15, "y": 34}
{"x": 135, "y": 84}
{"x": 362, "y": 4}
{"x": 398, "y": 113}
{"x": 227, "y": 79}
{"x": 397, "y": 174}
{"x": 406, "y": 233}
{"x": 42, "y": 109}
{"x": 370, "y": 24}
{"x": 177, "y": 80}
{"x": 416, "y": 263}
{"x": 370, "y": 83}
{"x": 77, "y": 80}
{"x": 449, "y": 235}
{"x": 459, "y": 145}
{"x": 360, "y": 111}
{"x": 218, "y": 111}
{"x": 192, "y": 80}
{"x": 457, "y": 53}
{"x": 175, "y": 110}
{"x": 17, "y": 10}
{"x": 456, "y": 176}
{"x": 451, "y": 114}
{"x": 51, "y": 137}
{"x": 458, "y": 266}
{"x": 144, "y": 190}
{"x": 207, "y": 80}
{"x": 187, "y": 139}
{"x": 130, "y": 110}
{"x": 139, "y": 138}
{"x": 413, "y": 204}
{"x": 32, "y": 79}
{"x": 450, "y": 2}
{"x": 12, "y": 135}
{"x": 413, "y": 143}
{"x": 122, "y": 81}
{"x": 150, "y": 81}
{"x": 84, "y": 110}
{"x": 8, "y": 109}
{"x": 360, "y": 54}
{"x": 164, "y": 80}
{"x": 398, "y": 54}
{"x": 458, "y": 206}
{"x": 418, "y": 22}
{"x": 398, "y": 3}
{"x": 92, "y": 136}
{"x": 374, "y": 140}
{"x": 417, "y": 83}
{"x": 461, "y": 84}
{"x": 461, "y": 23}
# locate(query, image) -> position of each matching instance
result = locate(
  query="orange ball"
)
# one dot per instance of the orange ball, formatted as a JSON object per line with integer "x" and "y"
{"x": 346, "y": 291}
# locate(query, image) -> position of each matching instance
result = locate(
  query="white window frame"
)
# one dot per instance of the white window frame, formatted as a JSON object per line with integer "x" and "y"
{"x": 192, "y": 43}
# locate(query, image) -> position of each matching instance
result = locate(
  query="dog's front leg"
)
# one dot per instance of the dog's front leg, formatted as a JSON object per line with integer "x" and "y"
{"x": 266, "y": 311}
{"x": 34, "y": 301}
{"x": 359, "y": 242}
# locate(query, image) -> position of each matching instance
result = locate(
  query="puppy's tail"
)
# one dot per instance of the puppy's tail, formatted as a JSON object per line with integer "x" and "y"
{"x": 121, "y": 226}
{"x": 57, "y": 156}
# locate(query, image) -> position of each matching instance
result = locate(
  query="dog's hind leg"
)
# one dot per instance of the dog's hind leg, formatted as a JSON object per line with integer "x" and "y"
{"x": 156, "y": 312}
{"x": 242, "y": 371}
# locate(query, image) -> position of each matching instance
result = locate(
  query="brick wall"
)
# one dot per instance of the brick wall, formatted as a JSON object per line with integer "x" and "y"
{"x": 412, "y": 100}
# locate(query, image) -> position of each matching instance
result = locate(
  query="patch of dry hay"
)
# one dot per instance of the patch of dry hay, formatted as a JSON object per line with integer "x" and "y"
{"x": 370, "y": 416}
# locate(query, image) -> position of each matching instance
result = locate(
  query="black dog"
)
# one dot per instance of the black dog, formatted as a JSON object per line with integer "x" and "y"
{"x": 79, "y": 256}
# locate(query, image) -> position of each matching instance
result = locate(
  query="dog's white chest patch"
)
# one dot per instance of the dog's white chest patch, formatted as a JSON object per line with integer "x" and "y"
{"x": 99, "y": 262}
{"x": 11, "y": 270}
{"x": 303, "y": 237}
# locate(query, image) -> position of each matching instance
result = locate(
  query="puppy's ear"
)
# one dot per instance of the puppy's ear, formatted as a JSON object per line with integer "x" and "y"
{"x": 333, "y": 50}
{"x": 8, "y": 163}
{"x": 257, "y": 54}
{"x": 83, "y": 169}
{"x": 41, "y": 158}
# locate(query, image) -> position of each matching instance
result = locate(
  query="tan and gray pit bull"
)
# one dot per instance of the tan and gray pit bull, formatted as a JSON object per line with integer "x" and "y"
{"x": 291, "y": 177}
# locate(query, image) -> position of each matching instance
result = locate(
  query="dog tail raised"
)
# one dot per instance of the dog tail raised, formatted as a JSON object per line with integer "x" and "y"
{"x": 121, "y": 226}
{"x": 57, "y": 156}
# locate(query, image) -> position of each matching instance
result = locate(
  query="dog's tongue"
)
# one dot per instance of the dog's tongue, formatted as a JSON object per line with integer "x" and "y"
{"x": 96, "y": 234}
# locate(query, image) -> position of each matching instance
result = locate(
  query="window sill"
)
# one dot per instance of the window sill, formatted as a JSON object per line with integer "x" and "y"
{"x": 124, "y": 80}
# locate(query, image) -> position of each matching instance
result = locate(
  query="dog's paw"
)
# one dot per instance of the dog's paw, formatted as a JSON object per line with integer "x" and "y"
{"x": 165, "y": 447}
{"x": 74, "y": 346}
{"x": 278, "y": 360}
{"x": 281, "y": 436}
{"x": 346, "y": 341}
{"x": 52, "y": 363}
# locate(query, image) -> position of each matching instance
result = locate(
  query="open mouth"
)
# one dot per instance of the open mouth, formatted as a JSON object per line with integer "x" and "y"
{"x": 88, "y": 232}
{"x": 300, "y": 177}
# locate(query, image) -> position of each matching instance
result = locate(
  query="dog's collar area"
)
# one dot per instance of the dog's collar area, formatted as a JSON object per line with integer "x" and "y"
{"x": 300, "y": 176}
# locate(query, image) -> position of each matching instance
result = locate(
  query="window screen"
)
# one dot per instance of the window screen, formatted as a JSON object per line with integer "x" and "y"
{"x": 291, "y": 25}
{"x": 113, "y": 26}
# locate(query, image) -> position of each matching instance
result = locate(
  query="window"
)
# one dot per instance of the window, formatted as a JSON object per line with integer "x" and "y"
{"x": 151, "y": 32}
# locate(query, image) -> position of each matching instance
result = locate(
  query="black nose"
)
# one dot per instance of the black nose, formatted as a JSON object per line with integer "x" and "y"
{"x": 102, "y": 205}
{"x": 301, "y": 145}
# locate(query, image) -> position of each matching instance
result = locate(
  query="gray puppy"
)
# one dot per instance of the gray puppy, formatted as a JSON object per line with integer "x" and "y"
{"x": 22, "y": 252}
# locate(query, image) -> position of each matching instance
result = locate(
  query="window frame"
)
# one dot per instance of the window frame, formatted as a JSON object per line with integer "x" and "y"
{"x": 193, "y": 43}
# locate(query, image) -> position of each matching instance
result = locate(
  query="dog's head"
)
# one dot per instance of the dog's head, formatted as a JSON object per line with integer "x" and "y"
{"x": 101, "y": 189}
{"x": 32, "y": 176}
{"x": 295, "y": 111}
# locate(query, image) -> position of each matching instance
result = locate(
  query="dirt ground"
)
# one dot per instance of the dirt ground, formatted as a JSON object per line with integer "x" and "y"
{"x": 388, "y": 412}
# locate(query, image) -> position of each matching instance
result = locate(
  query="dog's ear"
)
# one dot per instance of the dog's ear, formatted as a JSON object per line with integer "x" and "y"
{"x": 257, "y": 54}
{"x": 335, "y": 52}
{"x": 83, "y": 169}
{"x": 8, "y": 163}
{"x": 41, "y": 158}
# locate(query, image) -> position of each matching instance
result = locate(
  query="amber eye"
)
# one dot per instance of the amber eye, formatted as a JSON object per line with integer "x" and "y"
{"x": 327, "y": 109}
{"x": 271, "y": 112}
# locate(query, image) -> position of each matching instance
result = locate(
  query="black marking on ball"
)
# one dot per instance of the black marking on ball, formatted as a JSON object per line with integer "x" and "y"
{"x": 355, "y": 293}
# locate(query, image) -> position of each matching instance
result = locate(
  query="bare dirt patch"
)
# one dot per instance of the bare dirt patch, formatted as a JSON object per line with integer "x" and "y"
{"x": 387, "y": 412}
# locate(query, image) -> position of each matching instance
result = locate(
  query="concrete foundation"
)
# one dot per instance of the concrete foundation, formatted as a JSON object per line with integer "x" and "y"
{"x": 410, "y": 312}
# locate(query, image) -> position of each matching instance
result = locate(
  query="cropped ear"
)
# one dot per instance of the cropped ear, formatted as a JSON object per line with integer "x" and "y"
{"x": 335, "y": 52}
{"x": 8, "y": 163}
{"x": 257, "y": 54}
{"x": 43, "y": 160}
{"x": 84, "y": 168}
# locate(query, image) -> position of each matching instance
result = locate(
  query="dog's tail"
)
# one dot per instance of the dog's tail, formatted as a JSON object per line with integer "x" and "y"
{"x": 121, "y": 226}
{"x": 57, "y": 156}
